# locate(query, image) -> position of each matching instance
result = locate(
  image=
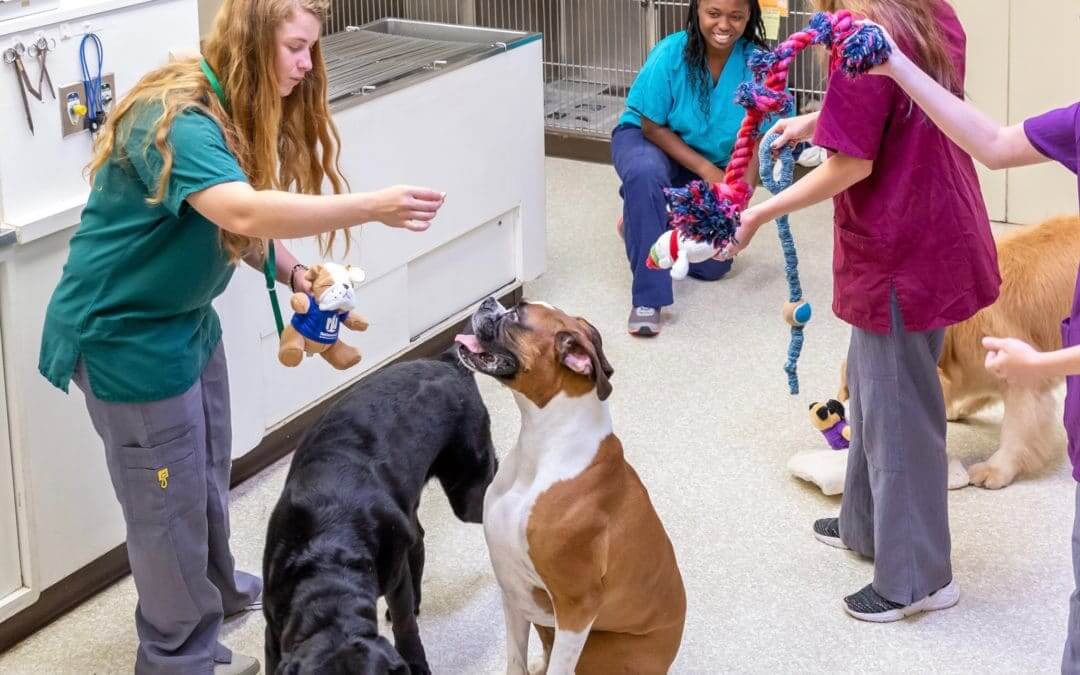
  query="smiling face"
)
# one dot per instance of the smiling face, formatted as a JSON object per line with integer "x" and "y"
{"x": 536, "y": 350}
{"x": 293, "y": 41}
{"x": 723, "y": 22}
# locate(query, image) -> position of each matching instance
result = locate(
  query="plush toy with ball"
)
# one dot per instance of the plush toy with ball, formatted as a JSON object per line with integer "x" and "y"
{"x": 319, "y": 315}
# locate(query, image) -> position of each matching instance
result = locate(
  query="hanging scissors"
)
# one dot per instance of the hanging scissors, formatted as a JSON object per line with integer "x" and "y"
{"x": 13, "y": 55}
{"x": 40, "y": 50}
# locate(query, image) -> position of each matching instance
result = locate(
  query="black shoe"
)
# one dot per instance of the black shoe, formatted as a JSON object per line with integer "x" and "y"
{"x": 827, "y": 531}
{"x": 867, "y": 605}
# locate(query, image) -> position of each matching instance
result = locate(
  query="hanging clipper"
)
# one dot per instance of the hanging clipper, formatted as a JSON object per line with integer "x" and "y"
{"x": 13, "y": 56}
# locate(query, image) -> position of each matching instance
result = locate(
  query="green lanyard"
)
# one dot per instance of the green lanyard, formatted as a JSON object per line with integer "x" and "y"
{"x": 268, "y": 272}
{"x": 270, "y": 264}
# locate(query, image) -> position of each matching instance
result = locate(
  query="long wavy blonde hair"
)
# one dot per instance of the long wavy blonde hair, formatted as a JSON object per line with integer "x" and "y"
{"x": 912, "y": 24}
{"x": 287, "y": 143}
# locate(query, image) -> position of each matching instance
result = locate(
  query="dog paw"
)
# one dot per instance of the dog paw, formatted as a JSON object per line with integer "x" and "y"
{"x": 419, "y": 669}
{"x": 538, "y": 667}
{"x": 958, "y": 475}
{"x": 989, "y": 476}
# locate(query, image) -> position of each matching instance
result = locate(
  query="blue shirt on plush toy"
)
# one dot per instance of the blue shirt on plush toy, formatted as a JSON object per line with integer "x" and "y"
{"x": 319, "y": 325}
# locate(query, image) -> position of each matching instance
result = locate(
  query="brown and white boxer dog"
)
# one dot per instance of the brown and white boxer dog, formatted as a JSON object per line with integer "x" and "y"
{"x": 577, "y": 548}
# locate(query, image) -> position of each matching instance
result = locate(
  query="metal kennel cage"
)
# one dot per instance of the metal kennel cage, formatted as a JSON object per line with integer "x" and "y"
{"x": 593, "y": 49}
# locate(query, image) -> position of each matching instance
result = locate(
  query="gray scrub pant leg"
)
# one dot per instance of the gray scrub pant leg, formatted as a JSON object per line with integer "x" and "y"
{"x": 895, "y": 503}
{"x": 169, "y": 462}
{"x": 1070, "y": 662}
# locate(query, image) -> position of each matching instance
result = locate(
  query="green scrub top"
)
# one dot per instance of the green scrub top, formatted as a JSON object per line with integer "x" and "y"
{"x": 134, "y": 299}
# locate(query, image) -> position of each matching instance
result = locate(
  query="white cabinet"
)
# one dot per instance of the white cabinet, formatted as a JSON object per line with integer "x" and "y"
{"x": 11, "y": 579}
{"x": 472, "y": 127}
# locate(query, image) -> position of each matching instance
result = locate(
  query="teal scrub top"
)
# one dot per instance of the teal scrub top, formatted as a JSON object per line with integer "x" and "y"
{"x": 663, "y": 93}
{"x": 134, "y": 298}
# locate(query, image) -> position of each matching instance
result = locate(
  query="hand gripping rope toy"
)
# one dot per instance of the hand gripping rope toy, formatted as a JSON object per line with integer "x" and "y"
{"x": 704, "y": 216}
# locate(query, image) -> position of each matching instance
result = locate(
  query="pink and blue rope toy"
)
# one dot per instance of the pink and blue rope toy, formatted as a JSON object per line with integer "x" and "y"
{"x": 709, "y": 213}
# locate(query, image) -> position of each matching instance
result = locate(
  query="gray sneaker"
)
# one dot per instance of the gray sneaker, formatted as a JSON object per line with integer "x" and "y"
{"x": 827, "y": 531}
{"x": 241, "y": 665}
{"x": 644, "y": 321}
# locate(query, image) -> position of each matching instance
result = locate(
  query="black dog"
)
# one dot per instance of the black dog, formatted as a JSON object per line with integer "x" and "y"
{"x": 345, "y": 531}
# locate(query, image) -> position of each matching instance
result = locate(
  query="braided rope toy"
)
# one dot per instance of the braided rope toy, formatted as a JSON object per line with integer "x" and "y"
{"x": 796, "y": 311}
{"x": 704, "y": 217}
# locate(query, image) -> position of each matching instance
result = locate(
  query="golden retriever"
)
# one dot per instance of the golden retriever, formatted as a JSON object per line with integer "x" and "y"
{"x": 1038, "y": 276}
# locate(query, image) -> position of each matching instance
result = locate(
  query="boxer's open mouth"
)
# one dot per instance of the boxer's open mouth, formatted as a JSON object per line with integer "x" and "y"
{"x": 480, "y": 349}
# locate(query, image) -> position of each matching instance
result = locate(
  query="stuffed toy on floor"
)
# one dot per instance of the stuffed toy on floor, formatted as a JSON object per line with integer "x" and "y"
{"x": 318, "y": 317}
{"x": 828, "y": 468}
{"x": 830, "y": 420}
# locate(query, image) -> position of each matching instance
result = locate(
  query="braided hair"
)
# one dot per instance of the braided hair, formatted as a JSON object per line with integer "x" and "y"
{"x": 697, "y": 53}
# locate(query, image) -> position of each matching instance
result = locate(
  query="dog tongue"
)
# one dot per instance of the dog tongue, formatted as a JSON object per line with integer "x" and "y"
{"x": 470, "y": 342}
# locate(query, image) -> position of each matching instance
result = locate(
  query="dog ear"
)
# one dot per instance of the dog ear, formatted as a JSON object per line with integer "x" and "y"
{"x": 356, "y": 275}
{"x": 836, "y": 407}
{"x": 598, "y": 345}
{"x": 377, "y": 656}
{"x": 580, "y": 355}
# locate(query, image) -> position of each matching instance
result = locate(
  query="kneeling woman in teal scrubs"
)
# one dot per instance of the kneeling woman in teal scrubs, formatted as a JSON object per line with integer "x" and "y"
{"x": 681, "y": 124}
{"x": 191, "y": 174}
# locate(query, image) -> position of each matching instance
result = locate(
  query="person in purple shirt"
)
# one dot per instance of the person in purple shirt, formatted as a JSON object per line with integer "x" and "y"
{"x": 1051, "y": 136}
{"x": 913, "y": 254}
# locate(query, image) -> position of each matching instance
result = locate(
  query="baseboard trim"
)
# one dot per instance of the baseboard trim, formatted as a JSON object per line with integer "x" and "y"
{"x": 88, "y": 581}
{"x": 582, "y": 148}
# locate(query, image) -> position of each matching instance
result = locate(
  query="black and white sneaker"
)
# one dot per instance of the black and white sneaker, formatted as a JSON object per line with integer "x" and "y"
{"x": 867, "y": 605}
{"x": 827, "y": 531}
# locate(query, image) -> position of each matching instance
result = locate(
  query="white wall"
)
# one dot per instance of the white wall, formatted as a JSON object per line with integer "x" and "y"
{"x": 1044, "y": 73}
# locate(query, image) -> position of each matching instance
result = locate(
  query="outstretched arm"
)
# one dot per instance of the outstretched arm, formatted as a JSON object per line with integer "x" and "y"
{"x": 1020, "y": 363}
{"x": 837, "y": 174}
{"x": 275, "y": 214}
{"x": 991, "y": 144}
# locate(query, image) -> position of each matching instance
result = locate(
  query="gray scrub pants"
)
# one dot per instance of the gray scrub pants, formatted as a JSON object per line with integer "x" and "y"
{"x": 895, "y": 504}
{"x": 169, "y": 462}
{"x": 1070, "y": 663}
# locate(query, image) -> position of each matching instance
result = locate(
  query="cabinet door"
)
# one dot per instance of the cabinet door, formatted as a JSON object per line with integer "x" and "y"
{"x": 10, "y": 567}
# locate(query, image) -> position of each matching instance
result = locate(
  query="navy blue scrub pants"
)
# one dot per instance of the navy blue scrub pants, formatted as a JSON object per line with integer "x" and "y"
{"x": 645, "y": 170}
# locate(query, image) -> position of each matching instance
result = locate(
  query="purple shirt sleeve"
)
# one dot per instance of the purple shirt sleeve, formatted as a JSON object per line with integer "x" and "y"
{"x": 1056, "y": 134}
{"x": 855, "y": 115}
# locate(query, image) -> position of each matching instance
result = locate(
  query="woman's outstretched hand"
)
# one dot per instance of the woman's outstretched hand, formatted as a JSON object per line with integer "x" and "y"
{"x": 404, "y": 206}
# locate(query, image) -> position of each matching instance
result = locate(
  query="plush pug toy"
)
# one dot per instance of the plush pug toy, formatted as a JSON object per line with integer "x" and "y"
{"x": 829, "y": 419}
{"x": 319, "y": 315}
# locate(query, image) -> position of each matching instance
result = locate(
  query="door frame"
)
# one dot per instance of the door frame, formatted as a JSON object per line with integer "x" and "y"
{"x": 29, "y": 593}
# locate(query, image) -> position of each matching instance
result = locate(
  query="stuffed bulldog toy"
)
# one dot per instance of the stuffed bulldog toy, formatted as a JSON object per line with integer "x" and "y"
{"x": 319, "y": 315}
